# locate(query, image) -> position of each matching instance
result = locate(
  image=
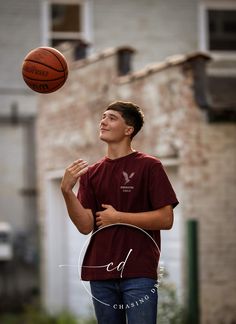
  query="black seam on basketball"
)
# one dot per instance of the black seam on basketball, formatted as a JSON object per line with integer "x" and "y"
{"x": 57, "y": 87}
{"x": 33, "y": 61}
{"x": 51, "y": 90}
{"x": 43, "y": 80}
{"x": 48, "y": 50}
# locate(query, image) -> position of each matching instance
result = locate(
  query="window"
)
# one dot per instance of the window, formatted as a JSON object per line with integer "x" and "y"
{"x": 222, "y": 30}
{"x": 217, "y": 26}
{"x": 66, "y": 20}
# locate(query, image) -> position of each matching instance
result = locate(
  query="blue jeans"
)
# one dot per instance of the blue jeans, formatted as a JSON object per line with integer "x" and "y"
{"x": 121, "y": 301}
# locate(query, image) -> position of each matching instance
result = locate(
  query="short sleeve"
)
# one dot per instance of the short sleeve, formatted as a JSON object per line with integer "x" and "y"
{"x": 85, "y": 193}
{"x": 160, "y": 189}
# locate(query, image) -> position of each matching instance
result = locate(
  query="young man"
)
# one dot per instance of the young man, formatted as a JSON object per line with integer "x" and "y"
{"x": 126, "y": 199}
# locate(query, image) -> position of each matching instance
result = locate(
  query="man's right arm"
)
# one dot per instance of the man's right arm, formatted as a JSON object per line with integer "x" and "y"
{"x": 80, "y": 216}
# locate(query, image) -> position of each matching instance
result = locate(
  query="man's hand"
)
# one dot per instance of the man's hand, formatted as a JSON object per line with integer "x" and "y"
{"x": 72, "y": 174}
{"x": 159, "y": 219}
{"x": 107, "y": 217}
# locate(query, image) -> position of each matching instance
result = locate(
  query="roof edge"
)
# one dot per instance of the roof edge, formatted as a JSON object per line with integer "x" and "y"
{"x": 102, "y": 55}
{"x": 170, "y": 61}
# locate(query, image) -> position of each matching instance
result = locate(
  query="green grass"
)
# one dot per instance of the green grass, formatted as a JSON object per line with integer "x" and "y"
{"x": 35, "y": 315}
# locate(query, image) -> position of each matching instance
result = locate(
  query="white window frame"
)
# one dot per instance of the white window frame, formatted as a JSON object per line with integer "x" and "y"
{"x": 204, "y": 6}
{"x": 86, "y": 21}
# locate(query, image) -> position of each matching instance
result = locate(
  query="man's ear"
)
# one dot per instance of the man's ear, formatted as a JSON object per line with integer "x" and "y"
{"x": 129, "y": 130}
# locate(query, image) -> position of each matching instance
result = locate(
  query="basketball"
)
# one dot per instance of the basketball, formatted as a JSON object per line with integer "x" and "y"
{"x": 44, "y": 69}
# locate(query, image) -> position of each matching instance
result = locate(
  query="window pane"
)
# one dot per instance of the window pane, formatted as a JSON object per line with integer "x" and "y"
{"x": 230, "y": 27}
{"x": 65, "y": 18}
{"x": 222, "y": 30}
{"x": 4, "y": 237}
{"x": 57, "y": 41}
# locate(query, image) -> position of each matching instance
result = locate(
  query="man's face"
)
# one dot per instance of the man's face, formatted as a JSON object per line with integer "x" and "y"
{"x": 113, "y": 127}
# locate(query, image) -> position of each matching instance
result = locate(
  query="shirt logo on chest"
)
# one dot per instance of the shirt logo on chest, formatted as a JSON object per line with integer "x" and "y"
{"x": 127, "y": 179}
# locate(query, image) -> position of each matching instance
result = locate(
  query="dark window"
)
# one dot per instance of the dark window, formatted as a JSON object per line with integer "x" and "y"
{"x": 222, "y": 30}
{"x": 4, "y": 237}
{"x": 65, "y": 19}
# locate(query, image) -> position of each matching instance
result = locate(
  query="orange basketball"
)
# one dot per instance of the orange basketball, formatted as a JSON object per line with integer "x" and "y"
{"x": 44, "y": 69}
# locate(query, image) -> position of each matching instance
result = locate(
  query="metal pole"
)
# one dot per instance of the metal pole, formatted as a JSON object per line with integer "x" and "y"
{"x": 192, "y": 259}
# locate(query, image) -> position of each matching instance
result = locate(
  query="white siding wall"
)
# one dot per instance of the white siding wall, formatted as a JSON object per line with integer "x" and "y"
{"x": 80, "y": 301}
{"x": 12, "y": 182}
{"x": 19, "y": 32}
{"x": 156, "y": 28}
{"x": 172, "y": 240}
{"x": 63, "y": 245}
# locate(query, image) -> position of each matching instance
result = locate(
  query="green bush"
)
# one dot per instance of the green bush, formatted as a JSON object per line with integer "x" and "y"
{"x": 170, "y": 311}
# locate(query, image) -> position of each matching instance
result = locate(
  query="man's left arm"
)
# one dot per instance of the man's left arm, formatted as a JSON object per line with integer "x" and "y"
{"x": 159, "y": 219}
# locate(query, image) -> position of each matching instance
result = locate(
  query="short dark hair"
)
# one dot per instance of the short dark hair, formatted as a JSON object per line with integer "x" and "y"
{"x": 131, "y": 113}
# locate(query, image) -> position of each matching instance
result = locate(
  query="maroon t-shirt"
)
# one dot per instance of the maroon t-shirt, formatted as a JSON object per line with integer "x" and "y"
{"x": 133, "y": 183}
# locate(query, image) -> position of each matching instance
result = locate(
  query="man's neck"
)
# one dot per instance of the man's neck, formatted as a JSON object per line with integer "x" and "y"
{"x": 117, "y": 151}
